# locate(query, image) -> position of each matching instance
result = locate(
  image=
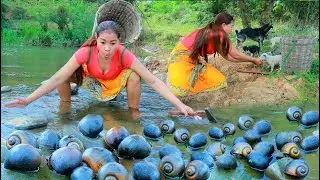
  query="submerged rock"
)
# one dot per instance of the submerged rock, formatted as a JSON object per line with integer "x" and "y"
{"x": 27, "y": 122}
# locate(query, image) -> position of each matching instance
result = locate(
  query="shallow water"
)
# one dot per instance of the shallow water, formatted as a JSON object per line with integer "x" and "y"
{"x": 23, "y": 69}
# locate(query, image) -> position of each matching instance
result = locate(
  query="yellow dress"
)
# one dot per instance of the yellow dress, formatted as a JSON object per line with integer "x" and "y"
{"x": 187, "y": 78}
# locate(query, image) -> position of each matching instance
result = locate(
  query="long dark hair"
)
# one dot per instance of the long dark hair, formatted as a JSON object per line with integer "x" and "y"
{"x": 92, "y": 41}
{"x": 202, "y": 39}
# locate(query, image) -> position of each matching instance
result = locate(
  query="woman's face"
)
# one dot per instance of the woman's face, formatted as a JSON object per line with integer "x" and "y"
{"x": 107, "y": 44}
{"x": 228, "y": 27}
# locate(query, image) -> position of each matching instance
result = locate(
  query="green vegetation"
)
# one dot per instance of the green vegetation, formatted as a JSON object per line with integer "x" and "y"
{"x": 68, "y": 23}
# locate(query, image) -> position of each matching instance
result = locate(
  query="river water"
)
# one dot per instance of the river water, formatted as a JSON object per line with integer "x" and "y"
{"x": 24, "y": 68}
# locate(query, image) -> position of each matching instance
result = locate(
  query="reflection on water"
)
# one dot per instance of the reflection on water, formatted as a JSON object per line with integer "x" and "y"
{"x": 40, "y": 63}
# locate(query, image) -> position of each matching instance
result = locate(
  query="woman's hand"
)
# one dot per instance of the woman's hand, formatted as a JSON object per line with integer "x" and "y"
{"x": 186, "y": 110}
{"x": 20, "y": 102}
{"x": 258, "y": 62}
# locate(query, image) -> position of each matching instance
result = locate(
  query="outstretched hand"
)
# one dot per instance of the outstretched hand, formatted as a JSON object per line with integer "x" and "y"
{"x": 258, "y": 62}
{"x": 20, "y": 102}
{"x": 188, "y": 111}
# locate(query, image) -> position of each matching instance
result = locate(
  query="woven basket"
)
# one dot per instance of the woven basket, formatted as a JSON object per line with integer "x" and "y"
{"x": 124, "y": 14}
{"x": 297, "y": 53}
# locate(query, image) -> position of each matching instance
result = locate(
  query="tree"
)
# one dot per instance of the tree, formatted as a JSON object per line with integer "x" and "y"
{"x": 266, "y": 11}
{"x": 244, "y": 14}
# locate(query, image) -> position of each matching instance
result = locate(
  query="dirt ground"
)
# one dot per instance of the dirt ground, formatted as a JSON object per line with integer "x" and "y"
{"x": 243, "y": 88}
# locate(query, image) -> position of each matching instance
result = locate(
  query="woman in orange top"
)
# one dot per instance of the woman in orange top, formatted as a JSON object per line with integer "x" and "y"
{"x": 104, "y": 67}
{"x": 188, "y": 69}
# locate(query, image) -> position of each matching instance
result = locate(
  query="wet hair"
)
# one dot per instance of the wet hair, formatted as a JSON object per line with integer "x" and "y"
{"x": 217, "y": 36}
{"x": 105, "y": 26}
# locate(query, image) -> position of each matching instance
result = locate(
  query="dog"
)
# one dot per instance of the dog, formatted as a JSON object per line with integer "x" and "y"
{"x": 254, "y": 50}
{"x": 275, "y": 40}
{"x": 256, "y": 34}
{"x": 272, "y": 61}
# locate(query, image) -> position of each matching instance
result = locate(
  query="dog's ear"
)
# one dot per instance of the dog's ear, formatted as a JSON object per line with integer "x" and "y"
{"x": 236, "y": 31}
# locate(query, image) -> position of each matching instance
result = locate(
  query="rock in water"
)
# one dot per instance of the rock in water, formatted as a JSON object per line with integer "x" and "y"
{"x": 27, "y": 122}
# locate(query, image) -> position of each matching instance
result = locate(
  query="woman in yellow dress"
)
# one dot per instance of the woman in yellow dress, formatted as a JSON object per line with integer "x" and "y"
{"x": 188, "y": 69}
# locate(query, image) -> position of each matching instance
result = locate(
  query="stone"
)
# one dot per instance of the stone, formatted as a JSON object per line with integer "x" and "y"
{"x": 5, "y": 89}
{"x": 27, "y": 122}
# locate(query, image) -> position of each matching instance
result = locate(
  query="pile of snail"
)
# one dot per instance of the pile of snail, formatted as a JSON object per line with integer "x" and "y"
{"x": 72, "y": 157}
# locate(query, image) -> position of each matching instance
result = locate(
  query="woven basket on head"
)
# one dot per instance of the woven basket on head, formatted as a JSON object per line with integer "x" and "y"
{"x": 297, "y": 53}
{"x": 124, "y": 14}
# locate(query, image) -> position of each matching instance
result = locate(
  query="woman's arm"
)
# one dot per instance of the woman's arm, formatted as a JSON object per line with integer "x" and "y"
{"x": 160, "y": 87}
{"x": 58, "y": 78}
{"x": 236, "y": 56}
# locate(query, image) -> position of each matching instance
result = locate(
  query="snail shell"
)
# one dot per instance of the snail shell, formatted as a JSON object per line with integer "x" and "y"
{"x": 169, "y": 149}
{"x": 82, "y": 172}
{"x": 310, "y": 118}
{"x": 291, "y": 149}
{"x": 71, "y": 141}
{"x": 203, "y": 156}
{"x": 96, "y": 157}
{"x": 281, "y": 139}
{"x": 167, "y": 126}
{"x": 245, "y": 122}
{"x": 197, "y": 169}
{"x": 181, "y": 135}
{"x": 226, "y": 161}
{"x": 237, "y": 140}
{"x": 216, "y": 133}
{"x": 252, "y": 136}
{"x": 197, "y": 141}
{"x": 115, "y": 135}
{"x": 49, "y": 139}
{"x": 64, "y": 160}
{"x": 294, "y": 113}
{"x": 310, "y": 144}
{"x": 297, "y": 168}
{"x": 216, "y": 149}
{"x": 295, "y": 137}
{"x": 113, "y": 170}
{"x": 23, "y": 157}
{"x": 91, "y": 125}
{"x": 172, "y": 166}
{"x": 241, "y": 150}
{"x": 258, "y": 161}
{"x": 21, "y": 137}
{"x": 134, "y": 146}
{"x": 152, "y": 132}
{"x": 229, "y": 129}
{"x": 266, "y": 148}
{"x": 263, "y": 127}
{"x": 145, "y": 170}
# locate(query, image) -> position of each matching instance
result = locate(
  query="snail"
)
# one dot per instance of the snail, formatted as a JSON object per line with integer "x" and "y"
{"x": 169, "y": 149}
{"x": 152, "y": 132}
{"x": 23, "y": 157}
{"x": 291, "y": 149}
{"x": 241, "y": 150}
{"x": 229, "y": 129}
{"x": 197, "y": 141}
{"x": 203, "y": 156}
{"x": 82, "y": 172}
{"x": 295, "y": 137}
{"x": 172, "y": 166}
{"x": 237, "y": 140}
{"x": 197, "y": 169}
{"x": 71, "y": 141}
{"x": 226, "y": 161}
{"x": 113, "y": 170}
{"x": 134, "y": 146}
{"x": 216, "y": 133}
{"x": 216, "y": 149}
{"x": 21, "y": 137}
{"x": 310, "y": 144}
{"x": 252, "y": 136}
{"x": 181, "y": 135}
{"x": 64, "y": 160}
{"x": 265, "y": 148}
{"x": 115, "y": 135}
{"x": 245, "y": 122}
{"x": 91, "y": 125}
{"x": 167, "y": 126}
{"x": 258, "y": 161}
{"x": 96, "y": 157}
{"x": 310, "y": 119}
{"x": 49, "y": 139}
{"x": 263, "y": 127}
{"x": 294, "y": 113}
{"x": 297, "y": 168}
{"x": 145, "y": 170}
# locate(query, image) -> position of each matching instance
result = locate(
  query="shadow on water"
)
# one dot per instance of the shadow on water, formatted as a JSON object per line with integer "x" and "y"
{"x": 65, "y": 117}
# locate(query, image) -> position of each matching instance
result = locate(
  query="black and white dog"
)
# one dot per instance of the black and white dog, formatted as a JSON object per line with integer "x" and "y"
{"x": 256, "y": 34}
{"x": 251, "y": 50}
